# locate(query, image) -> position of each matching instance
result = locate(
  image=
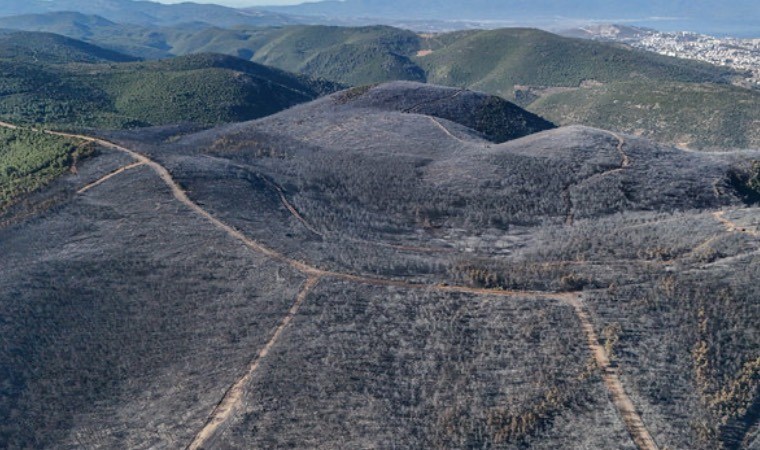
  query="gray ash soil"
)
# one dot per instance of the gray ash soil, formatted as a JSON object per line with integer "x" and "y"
{"x": 126, "y": 316}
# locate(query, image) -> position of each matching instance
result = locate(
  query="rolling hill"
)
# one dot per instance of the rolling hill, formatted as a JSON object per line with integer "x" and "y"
{"x": 61, "y": 82}
{"x": 142, "y": 41}
{"x": 48, "y": 48}
{"x": 368, "y": 270}
{"x": 612, "y": 87}
{"x": 205, "y": 245}
{"x": 577, "y": 80}
{"x": 572, "y": 81}
{"x": 498, "y": 60}
{"x": 494, "y": 60}
{"x": 347, "y": 55}
{"x": 352, "y": 56}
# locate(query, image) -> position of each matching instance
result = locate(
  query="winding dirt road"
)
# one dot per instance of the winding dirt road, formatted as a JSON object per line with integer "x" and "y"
{"x": 280, "y": 192}
{"x": 231, "y": 401}
{"x": 289, "y": 206}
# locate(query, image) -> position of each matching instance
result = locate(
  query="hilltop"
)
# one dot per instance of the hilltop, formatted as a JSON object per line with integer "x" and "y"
{"x": 498, "y": 60}
{"x": 571, "y": 81}
{"x": 495, "y": 118}
{"x": 368, "y": 270}
{"x": 495, "y": 60}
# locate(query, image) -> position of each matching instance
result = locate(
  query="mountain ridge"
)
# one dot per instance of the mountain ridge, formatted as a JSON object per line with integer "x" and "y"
{"x": 53, "y": 48}
{"x": 142, "y": 12}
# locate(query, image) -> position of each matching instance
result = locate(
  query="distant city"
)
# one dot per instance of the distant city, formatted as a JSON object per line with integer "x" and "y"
{"x": 740, "y": 54}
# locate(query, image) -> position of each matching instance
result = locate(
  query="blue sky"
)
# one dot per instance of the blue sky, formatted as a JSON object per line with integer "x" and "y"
{"x": 239, "y": 2}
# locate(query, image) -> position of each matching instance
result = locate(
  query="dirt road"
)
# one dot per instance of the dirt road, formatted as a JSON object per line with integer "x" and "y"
{"x": 732, "y": 226}
{"x": 623, "y": 403}
{"x": 232, "y": 400}
{"x": 109, "y": 176}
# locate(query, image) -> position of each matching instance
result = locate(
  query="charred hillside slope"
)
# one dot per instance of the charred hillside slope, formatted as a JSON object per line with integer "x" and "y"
{"x": 374, "y": 269}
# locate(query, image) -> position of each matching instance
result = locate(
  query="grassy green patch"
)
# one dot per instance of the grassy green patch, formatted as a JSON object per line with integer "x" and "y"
{"x": 702, "y": 116}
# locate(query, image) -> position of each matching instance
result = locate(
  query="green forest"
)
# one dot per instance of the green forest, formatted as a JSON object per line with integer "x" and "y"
{"x": 30, "y": 160}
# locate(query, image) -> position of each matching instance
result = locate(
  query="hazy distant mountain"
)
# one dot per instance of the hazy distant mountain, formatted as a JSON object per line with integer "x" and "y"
{"x": 48, "y": 48}
{"x": 741, "y": 16}
{"x": 148, "y": 13}
{"x": 508, "y": 9}
{"x": 708, "y": 16}
{"x": 143, "y": 41}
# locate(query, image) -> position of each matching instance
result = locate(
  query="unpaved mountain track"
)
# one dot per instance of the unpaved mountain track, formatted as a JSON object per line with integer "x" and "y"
{"x": 289, "y": 206}
{"x": 109, "y": 176}
{"x": 419, "y": 105}
{"x": 445, "y": 130}
{"x": 442, "y": 127}
{"x": 626, "y": 162}
{"x": 567, "y": 199}
{"x": 280, "y": 192}
{"x": 306, "y": 224}
{"x": 732, "y": 226}
{"x": 620, "y": 399}
{"x": 232, "y": 399}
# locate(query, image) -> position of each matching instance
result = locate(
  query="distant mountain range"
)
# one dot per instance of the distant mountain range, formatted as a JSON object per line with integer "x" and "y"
{"x": 149, "y": 13}
{"x": 741, "y": 17}
{"x": 706, "y": 16}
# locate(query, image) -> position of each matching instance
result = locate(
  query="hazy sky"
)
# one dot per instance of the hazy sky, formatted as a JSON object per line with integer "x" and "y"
{"x": 239, "y": 2}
